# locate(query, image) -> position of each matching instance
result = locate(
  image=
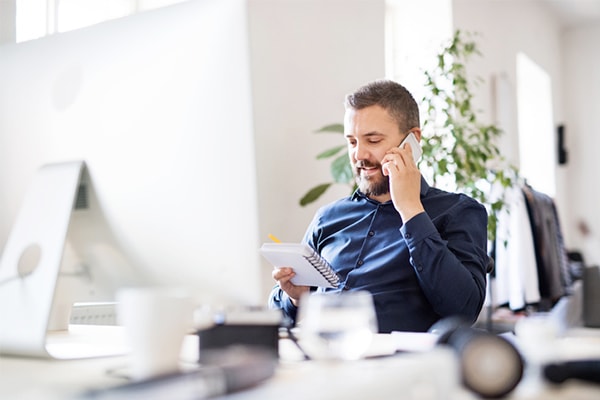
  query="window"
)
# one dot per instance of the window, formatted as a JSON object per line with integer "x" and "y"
{"x": 37, "y": 18}
{"x": 537, "y": 148}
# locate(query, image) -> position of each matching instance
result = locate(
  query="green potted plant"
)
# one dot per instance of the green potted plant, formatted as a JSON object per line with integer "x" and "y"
{"x": 458, "y": 150}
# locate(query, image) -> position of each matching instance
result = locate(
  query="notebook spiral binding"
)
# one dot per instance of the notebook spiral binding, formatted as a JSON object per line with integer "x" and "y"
{"x": 324, "y": 268}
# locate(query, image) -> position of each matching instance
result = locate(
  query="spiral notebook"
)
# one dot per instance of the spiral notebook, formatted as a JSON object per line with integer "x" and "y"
{"x": 310, "y": 268}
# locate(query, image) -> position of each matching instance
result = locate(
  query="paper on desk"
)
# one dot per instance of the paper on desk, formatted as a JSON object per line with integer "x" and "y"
{"x": 387, "y": 344}
{"x": 381, "y": 345}
{"x": 414, "y": 341}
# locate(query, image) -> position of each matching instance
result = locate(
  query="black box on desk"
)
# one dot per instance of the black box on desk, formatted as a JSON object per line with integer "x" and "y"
{"x": 255, "y": 329}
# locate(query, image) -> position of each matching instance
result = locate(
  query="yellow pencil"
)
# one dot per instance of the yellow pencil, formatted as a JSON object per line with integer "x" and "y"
{"x": 273, "y": 238}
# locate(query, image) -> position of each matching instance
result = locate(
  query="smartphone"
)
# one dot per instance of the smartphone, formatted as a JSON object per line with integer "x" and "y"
{"x": 416, "y": 148}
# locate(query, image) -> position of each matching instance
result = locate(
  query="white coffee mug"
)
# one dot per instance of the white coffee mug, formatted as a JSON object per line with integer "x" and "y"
{"x": 156, "y": 321}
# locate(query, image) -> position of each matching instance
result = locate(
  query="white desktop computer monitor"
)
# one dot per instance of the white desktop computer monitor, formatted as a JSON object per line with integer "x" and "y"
{"x": 158, "y": 107}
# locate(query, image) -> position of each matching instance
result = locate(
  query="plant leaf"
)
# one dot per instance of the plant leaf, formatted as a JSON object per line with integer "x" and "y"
{"x": 330, "y": 152}
{"x": 336, "y": 128}
{"x": 341, "y": 170}
{"x": 314, "y": 193}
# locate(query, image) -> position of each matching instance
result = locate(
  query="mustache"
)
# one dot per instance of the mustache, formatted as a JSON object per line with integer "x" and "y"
{"x": 367, "y": 164}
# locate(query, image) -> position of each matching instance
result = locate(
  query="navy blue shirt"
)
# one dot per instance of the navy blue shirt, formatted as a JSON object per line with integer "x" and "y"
{"x": 432, "y": 267}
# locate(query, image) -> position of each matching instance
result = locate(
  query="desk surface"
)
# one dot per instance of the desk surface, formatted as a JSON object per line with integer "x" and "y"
{"x": 427, "y": 375}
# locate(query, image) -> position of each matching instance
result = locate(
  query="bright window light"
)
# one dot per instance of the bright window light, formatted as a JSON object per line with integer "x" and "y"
{"x": 36, "y": 18}
{"x": 537, "y": 143}
{"x": 31, "y": 20}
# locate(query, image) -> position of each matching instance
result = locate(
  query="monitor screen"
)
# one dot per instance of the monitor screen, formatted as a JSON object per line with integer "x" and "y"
{"x": 158, "y": 106}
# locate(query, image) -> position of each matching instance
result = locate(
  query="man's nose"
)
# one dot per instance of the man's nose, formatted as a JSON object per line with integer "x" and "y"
{"x": 360, "y": 152}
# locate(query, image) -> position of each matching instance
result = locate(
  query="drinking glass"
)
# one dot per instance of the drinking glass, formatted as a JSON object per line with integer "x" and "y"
{"x": 337, "y": 326}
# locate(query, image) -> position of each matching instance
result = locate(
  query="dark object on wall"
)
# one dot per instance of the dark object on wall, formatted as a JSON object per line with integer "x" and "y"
{"x": 562, "y": 151}
{"x": 490, "y": 365}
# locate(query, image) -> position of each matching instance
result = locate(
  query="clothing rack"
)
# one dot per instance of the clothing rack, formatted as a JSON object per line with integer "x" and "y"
{"x": 532, "y": 270}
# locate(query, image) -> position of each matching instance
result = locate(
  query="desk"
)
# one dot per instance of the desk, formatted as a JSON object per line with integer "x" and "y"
{"x": 429, "y": 375}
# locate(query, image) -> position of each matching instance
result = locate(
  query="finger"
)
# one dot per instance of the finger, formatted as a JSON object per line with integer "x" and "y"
{"x": 282, "y": 273}
{"x": 387, "y": 166}
{"x": 403, "y": 152}
{"x": 408, "y": 152}
{"x": 391, "y": 156}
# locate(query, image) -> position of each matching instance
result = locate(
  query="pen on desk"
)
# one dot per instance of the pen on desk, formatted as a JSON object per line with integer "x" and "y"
{"x": 273, "y": 238}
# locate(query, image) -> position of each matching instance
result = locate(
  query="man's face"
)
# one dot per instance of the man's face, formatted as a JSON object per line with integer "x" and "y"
{"x": 370, "y": 132}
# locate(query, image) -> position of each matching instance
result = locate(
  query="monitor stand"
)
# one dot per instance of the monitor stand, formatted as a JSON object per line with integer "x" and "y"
{"x": 34, "y": 311}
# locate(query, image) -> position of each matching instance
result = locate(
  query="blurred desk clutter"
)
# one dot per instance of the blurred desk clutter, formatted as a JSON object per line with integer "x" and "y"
{"x": 414, "y": 365}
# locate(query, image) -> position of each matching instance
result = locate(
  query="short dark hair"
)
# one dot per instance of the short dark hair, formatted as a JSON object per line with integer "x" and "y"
{"x": 391, "y": 96}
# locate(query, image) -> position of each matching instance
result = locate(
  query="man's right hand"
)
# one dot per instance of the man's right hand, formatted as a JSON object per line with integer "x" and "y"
{"x": 283, "y": 277}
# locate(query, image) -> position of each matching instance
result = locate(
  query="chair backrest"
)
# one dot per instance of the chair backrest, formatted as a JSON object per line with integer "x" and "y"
{"x": 490, "y": 266}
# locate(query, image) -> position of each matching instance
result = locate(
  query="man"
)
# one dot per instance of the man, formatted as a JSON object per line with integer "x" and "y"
{"x": 420, "y": 251}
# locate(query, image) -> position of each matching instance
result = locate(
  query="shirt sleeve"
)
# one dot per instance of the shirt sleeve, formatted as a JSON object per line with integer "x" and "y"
{"x": 279, "y": 300}
{"x": 450, "y": 269}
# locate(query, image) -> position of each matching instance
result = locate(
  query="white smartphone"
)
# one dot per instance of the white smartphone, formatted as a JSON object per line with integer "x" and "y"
{"x": 416, "y": 148}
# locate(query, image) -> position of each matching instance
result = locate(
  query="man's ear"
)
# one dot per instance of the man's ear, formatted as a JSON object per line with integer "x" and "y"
{"x": 417, "y": 132}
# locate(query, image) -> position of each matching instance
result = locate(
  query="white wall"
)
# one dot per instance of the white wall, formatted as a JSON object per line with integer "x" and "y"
{"x": 506, "y": 28}
{"x": 8, "y": 10}
{"x": 582, "y": 108}
{"x": 306, "y": 55}
{"x": 572, "y": 59}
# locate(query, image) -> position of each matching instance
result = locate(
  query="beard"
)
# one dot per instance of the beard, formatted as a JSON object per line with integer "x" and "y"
{"x": 371, "y": 185}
